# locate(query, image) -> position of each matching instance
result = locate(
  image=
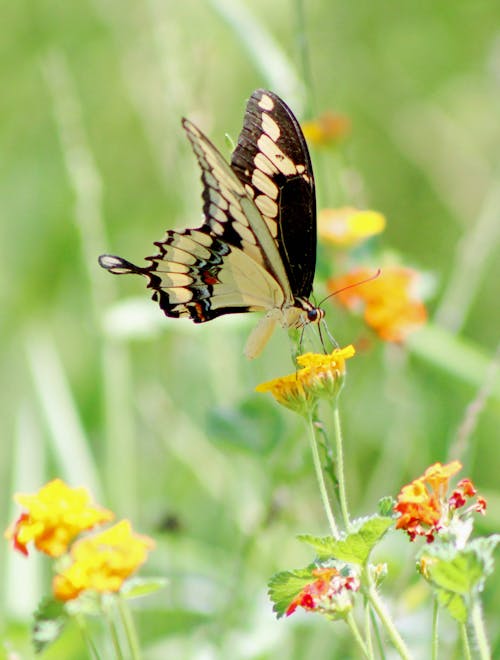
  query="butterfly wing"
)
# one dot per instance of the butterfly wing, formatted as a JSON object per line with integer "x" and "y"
{"x": 230, "y": 264}
{"x": 272, "y": 161}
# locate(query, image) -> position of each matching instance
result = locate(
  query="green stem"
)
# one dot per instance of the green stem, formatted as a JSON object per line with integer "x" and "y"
{"x": 339, "y": 451}
{"x": 479, "y": 630}
{"x": 129, "y": 627}
{"x": 357, "y": 636}
{"x": 368, "y": 629}
{"x": 386, "y": 621}
{"x": 320, "y": 478}
{"x": 113, "y": 632}
{"x": 465, "y": 642}
{"x": 435, "y": 637}
{"x": 84, "y": 631}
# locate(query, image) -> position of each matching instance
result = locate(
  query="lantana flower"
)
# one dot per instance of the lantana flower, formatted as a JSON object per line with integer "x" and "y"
{"x": 348, "y": 226}
{"x": 102, "y": 562}
{"x": 319, "y": 375}
{"x": 425, "y": 506}
{"x": 330, "y": 593}
{"x": 53, "y": 517}
{"x": 327, "y": 129}
{"x": 389, "y": 304}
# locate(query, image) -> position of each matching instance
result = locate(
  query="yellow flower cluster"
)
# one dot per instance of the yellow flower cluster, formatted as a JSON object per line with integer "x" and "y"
{"x": 102, "y": 562}
{"x": 54, "y": 517}
{"x": 319, "y": 375}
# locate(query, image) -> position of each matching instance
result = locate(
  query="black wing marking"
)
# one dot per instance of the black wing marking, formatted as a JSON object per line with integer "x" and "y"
{"x": 272, "y": 161}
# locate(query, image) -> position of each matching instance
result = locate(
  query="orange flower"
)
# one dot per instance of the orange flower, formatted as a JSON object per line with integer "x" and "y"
{"x": 54, "y": 517}
{"x": 424, "y": 505}
{"x": 388, "y": 303}
{"x": 319, "y": 375}
{"x": 327, "y": 129}
{"x": 348, "y": 226}
{"x": 102, "y": 562}
{"x": 330, "y": 593}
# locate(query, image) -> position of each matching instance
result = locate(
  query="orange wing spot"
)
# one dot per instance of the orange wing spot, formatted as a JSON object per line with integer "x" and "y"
{"x": 209, "y": 278}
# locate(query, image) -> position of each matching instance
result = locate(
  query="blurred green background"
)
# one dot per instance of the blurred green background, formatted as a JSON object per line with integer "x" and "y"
{"x": 158, "y": 417}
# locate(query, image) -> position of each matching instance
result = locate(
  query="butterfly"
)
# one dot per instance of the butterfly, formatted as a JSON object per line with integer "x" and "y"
{"x": 256, "y": 249}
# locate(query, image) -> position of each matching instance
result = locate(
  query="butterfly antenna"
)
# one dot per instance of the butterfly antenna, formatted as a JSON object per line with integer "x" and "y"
{"x": 352, "y": 286}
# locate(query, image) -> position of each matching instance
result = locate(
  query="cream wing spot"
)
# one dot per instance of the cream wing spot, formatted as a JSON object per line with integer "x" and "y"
{"x": 188, "y": 245}
{"x": 238, "y": 215}
{"x": 249, "y": 191}
{"x": 266, "y": 102}
{"x": 266, "y": 206}
{"x": 201, "y": 238}
{"x": 263, "y": 183}
{"x": 264, "y": 164}
{"x": 216, "y": 213}
{"x": 171, "y": 280}
{"x": 270, "y": 127}
{"x": 284, "y": 164}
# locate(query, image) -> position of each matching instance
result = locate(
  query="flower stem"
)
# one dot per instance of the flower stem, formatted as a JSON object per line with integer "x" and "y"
{"x": 368, "y": 629}
{"x": 479, "y": 630}
{"x": 357, "y": 636}
{"x": 435, "y": 638}
{"x": 320, "y": 477}
{"x": 84, "y": 631}
{"x": 339, "y": 451}
{"x": 465, "y": 642}
{"x": 113, "y": 631}
{"x": 129, "y": 627}
{"x": 386, "y": 621}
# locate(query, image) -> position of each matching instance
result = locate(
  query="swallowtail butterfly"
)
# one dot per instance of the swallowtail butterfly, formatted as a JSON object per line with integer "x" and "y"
{"x": 256, "y": 250}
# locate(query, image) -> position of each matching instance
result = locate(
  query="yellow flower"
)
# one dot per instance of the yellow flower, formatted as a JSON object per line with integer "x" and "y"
{"x": 327, "y": 129}
{"x": 349, "y": 226}
{"x": 54, "y": 517}
{"x": 289, "y": 391}
{"x": 319, "y": 375}
{"x": 102, "y": 562}
{"x": 388, "y": 303}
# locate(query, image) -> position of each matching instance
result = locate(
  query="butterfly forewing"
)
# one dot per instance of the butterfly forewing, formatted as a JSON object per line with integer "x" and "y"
{"x": 272, "y": 161}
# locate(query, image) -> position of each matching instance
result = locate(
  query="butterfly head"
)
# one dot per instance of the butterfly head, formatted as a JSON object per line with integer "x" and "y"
{"x": 312, "y": 314}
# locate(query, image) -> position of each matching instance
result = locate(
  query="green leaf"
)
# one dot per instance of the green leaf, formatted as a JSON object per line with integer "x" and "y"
{"x": 139, "y": 587}
{"x": 458, "y": 575}
{"x": 461, "y": 571}
{"x": 454, "y": 604}
{"x": 355, "y": 547}
{"x": 284, "y": 586}
{"x": 49, "y": 621}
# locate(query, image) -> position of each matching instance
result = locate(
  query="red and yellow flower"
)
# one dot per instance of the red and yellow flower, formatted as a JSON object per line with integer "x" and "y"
{"x": 329, "y": 593}
{"x": 425, "y": 507}
{"x": 53, "y": 517}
